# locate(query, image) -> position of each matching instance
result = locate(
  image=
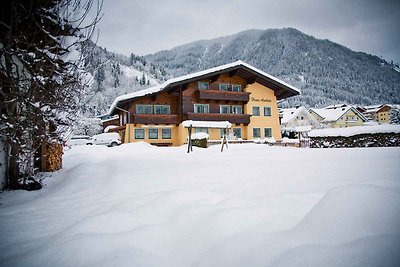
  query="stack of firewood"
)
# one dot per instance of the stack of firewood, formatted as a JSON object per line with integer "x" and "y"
{"x": 51, "y": 157}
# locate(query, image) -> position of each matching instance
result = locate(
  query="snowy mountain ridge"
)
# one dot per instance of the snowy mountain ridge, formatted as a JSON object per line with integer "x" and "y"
{"x": 326, "y": 72}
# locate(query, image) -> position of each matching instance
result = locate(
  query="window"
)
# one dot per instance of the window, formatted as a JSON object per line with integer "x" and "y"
{"x": 201, "y": 108}
{"x": 144, "y": 109}
{"x": 236, "y": 87}
{"x": 256, "y": 111}
{"x": 166, "y": 133}
{"x": 139, "y": 133}
{"x": 201, "y": 130}
{"x": 221, "y": 133}
{"x": 203, "y": 85}
{"x": 237, "y": 132}
{"x": 161, "y": 109}
{"x": 224, "y": 109}
{"x": 256, "y": 132}
{"x": 223, "y": 86}
{"x": 237, "y": 110}
{"x": 267, "y": 132}
{"x": 267, "y": 111}
{"x": 153, "y": 133}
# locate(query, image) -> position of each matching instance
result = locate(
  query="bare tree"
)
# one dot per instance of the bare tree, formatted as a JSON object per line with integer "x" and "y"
{"x": 41, "y": 75}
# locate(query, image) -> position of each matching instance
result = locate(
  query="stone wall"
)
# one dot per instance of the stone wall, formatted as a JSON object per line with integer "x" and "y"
{"x": 360, "y": 140}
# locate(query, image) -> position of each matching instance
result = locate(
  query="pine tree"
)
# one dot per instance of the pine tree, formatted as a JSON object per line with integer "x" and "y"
{"x": 395, "y": 115}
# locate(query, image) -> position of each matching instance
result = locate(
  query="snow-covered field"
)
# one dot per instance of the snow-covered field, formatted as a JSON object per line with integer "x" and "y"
{"x": 252, "y": 205}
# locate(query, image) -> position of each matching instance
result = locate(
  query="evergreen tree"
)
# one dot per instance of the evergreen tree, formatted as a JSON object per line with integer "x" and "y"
{"x": 395, "y": 115}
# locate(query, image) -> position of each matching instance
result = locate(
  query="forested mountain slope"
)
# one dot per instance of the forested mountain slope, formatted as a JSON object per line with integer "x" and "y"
{"x": 326, "y": 72}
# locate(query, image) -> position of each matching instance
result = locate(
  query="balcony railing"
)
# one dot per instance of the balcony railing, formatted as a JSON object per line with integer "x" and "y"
{"x": 155, "y": 119}
{"x": 232, "y": 118}
{"x": 223, "y": 95}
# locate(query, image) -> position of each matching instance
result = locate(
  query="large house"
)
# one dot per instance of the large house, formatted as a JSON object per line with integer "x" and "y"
{"x": 339, "y": 116}
{"x": 238, "y": 93}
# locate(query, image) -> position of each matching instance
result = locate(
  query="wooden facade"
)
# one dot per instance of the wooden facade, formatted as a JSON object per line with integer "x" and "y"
{"x": 230, "y": 89}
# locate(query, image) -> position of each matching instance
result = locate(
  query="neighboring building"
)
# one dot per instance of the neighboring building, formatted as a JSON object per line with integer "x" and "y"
{"x": 339, "y": 116}
{"x": 110, "y": 121}
{"x": 295, "y": 117}
{"x": 237, "y": 92}
{"x": 378, "y": 113}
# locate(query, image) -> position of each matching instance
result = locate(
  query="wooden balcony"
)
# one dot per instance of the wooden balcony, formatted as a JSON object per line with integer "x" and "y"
{"x": 232, "y": 118}
{"x": 155, "y": 119}
{"x": 223, "y": 95}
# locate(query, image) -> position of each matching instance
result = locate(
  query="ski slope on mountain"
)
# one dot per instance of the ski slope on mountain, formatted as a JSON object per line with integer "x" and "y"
{"x": 252, "y": 205}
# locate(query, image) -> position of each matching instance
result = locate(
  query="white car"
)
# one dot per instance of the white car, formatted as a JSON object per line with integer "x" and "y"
{"x": 78, "y": 140}
{"x": 107, "y": 139}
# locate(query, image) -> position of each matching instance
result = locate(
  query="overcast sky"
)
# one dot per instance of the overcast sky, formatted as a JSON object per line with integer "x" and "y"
{"x": 148, "y": 26}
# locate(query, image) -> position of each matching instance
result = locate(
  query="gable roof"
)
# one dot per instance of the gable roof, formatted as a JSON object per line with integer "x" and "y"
{"x": 333, "y": 114}
{"x": 240, "y": 68}
{"x": 289, "y": 114}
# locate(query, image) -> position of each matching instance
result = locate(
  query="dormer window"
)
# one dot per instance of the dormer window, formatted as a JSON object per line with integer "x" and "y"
{"x": 203, "y": 85}
{"x": 223, "y": 86}
{"x": 236, "y": 87}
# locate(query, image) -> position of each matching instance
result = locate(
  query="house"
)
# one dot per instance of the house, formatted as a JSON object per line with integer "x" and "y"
{"x": 339, "y": 116}
{"x": 295, "y": 117}
{"x": 237, "y": 93}
{"x": 378, "y": 113}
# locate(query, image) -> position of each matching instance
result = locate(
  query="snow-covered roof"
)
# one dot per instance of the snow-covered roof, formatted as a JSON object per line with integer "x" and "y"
{"x": 289, "y": 114}
{"x": 110, "y": 119}
{"x": 334, "y": 114}
{"x": 207, "y": 124}
{"x": 342, "y": 105}
{"x": 149, "y": 91}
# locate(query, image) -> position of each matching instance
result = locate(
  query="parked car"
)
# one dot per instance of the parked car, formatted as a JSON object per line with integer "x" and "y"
{"x": 107, "y": 139}
{"x": 78, "y": 140}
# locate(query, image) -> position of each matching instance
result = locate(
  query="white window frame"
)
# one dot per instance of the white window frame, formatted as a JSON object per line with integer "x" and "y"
{"x": 234, "y": 109}
{"x": 164, "y": 130}
{"x": 201, "y": 130}
{"x": 225, "y": 106}
{"x": 221, "y": 84}
{"x": 237, "y": 128}
{"x": 199, "y": 85}
{"x": 144, "y": 105}
{"x": 265, "y": 132}
{"x": 236, "y": 86}
{"x": 139, "y": 129}
{"x": 266, "y": 113}
{"x": 259, "y": 132}
{"x": 162, "y": 106}
{"x": 252, "y": 111}
{"x": 202, "y": 105}
{"x": 156, "y": 129}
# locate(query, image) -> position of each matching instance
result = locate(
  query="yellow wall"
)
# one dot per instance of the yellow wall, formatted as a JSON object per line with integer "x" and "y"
{"x": 343, "y": 121}
{"x": 175, "y": 134}
{"x": 262, "y": 96}
{"x": 383, "y": 117}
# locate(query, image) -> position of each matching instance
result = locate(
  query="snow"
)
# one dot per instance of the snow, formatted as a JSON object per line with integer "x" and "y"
{"x": 350, "y": 131}
{"x": 200, "y": 136}
{"x": 159, "y": 88}
{"x": 207, "y": 124}
{"x": 253, "y": 205}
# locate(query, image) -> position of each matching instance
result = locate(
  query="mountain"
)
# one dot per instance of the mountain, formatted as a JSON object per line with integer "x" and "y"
{"x": 326, "y": 72}
{"x": 113, "y": 75}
